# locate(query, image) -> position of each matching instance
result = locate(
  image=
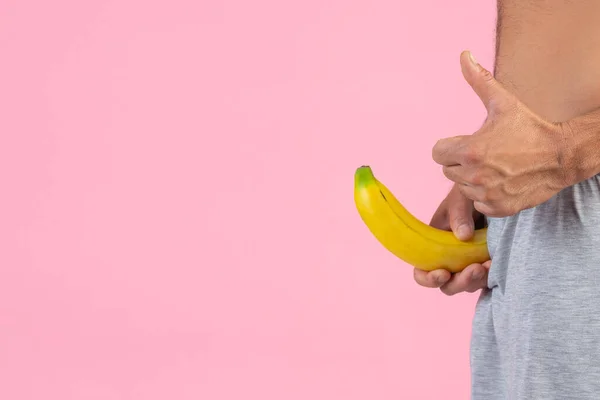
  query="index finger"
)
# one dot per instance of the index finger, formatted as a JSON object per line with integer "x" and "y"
{"x": 447, "y": 151}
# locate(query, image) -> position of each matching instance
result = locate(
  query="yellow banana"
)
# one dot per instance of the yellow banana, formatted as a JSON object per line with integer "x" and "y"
{"x": 416, "y": 243}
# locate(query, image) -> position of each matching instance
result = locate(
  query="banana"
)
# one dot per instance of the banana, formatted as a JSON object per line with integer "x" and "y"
{"x": 408, "y": 238}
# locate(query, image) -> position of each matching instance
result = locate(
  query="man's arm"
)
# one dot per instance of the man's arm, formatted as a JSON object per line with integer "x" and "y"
{"x": 517, "y": 159}
{"x": 547, "y": 55}
{"x": 581, "y": 147}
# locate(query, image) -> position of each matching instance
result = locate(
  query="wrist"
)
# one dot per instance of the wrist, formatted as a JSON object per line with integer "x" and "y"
{"x": 579, "y": 148}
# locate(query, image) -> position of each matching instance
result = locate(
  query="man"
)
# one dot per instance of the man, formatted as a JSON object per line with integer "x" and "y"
{"x": 532, "y": 171}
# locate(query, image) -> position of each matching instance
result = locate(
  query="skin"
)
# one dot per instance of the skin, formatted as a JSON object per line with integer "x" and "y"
{"x": 542, "y": 131}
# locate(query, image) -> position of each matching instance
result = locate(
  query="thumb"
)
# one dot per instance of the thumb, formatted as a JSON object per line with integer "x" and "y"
{"x": 488, "y": 89}
{"x": 460, "y": 216}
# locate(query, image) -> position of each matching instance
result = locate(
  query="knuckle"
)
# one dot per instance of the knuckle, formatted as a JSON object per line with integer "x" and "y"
{"x": 422, "y": 283}
{"x": 459, "y": 220}
{"x": 463, "y": 194}
{"x": 486, "y": 196}
{"x": 479, "y": 207}
{"x": 448, "y": 291}
{"x": 472, "y": 154}
{"x": 421, "y": 278}
{"x": 487, "y": 75}
{"x": 477, "y": 178}
{"x": 417, "y": 276}
{"x": 509, "y": 170}
{"x": 492, "y": 196}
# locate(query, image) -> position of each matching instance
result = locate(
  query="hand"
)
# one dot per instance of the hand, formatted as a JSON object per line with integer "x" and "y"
{"x": 514, "y": 161}
{"x": 456, "y": 213}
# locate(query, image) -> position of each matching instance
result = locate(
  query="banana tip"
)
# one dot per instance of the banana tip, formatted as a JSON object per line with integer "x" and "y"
{"x": 363, "y": 175}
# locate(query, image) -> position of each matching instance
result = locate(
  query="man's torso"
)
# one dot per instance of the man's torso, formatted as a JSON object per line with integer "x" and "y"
{"x": 536, "y": 333}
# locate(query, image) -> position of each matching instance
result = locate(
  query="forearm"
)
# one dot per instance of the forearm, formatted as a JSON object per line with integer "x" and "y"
{"x": 548, "y": 55}
{"x": 581, "y": 146}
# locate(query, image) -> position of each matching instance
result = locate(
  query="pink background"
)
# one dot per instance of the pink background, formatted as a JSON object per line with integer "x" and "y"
{"x": 176, "y": 213}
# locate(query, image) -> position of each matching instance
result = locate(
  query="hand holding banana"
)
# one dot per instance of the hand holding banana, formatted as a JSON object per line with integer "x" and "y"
{"x": 418, "y": 244}
{"x": 456, "y": 213}
{"x": 515, "y": 161}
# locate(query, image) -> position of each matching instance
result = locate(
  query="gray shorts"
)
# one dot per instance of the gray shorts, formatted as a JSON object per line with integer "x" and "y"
{"x": 536, "y": 330}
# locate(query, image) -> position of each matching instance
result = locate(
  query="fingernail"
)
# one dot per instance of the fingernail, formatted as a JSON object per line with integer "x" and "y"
{"x": 463, "y": 232}
{"x": 440, "y": 279}
{"x": 472, "y": 58}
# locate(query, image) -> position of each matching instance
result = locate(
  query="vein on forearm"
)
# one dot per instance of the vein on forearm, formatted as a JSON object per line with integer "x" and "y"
{"x": 547, "y": 55}
{"x": 582, "y": 145}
